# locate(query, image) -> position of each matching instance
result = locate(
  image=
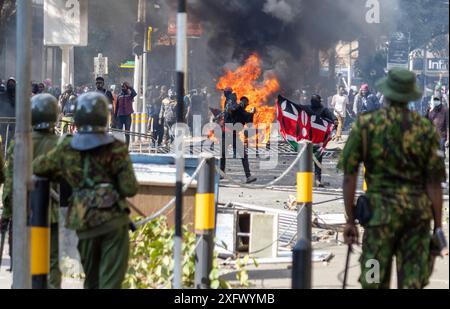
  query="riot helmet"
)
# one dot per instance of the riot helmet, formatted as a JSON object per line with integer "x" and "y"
{"x": 44, "y": 112}
{"x": 91, "y": 115}
{"x": 91, "y": 120}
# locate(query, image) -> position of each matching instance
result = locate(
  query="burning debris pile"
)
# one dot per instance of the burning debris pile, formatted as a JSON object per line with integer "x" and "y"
{"x": 246, "y": 81}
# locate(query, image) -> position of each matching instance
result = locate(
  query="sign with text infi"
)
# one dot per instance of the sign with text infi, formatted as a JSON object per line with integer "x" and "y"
{"x": 65, "y": 22}
{"x": 437, "y": 65}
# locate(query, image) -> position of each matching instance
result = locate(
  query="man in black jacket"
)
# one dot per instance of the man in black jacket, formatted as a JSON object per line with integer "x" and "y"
{"x": 100, "y": 87}
{"x": 320, "y": 111}
{"x": 236, "y": 113}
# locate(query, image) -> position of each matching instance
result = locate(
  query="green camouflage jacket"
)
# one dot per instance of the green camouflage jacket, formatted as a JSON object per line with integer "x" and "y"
{"x": 43, "y": 142}
{"x": 402, "y": 156}
{"x": 101, "y": 180}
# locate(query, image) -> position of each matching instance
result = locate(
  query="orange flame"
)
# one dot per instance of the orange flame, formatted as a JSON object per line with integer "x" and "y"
{"x": 244, "y": 82}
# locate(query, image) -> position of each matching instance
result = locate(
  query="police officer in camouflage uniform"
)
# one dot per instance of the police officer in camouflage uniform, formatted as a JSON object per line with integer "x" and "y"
{"x": 44, "y": 114}
{"x": 403, "y": 172}
{"x": 99, "y": 170}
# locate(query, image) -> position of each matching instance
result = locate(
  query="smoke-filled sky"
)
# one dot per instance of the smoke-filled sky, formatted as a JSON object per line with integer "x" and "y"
{"x": 284, "y": 31}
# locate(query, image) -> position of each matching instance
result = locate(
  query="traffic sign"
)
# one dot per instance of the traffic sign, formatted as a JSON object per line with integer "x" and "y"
{"x": 398, "y": 55}
{"x": 100, "y": 65}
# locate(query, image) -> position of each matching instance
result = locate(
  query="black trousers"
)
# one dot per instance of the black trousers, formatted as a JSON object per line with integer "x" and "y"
{"x": 158, "y": 131}
{"x": 317, "y": 169}
{"x": 235, "y": 141}
{"x": 124, "y": 121}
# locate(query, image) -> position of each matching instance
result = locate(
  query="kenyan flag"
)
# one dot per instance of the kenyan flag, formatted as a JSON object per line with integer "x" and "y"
{"x": 299, "y": 123}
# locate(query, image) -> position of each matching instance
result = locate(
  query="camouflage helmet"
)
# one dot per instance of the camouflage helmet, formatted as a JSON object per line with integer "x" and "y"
{"x": 91, "y": 120}
{"x": 91, "y": 114}
{"x": 44, "y": 111}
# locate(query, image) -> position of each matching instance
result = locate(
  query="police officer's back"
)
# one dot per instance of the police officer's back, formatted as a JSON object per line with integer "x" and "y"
{"x": 399, "y": 149}
{"x": 44, "y": 114}
{"x": 99, "y": 170}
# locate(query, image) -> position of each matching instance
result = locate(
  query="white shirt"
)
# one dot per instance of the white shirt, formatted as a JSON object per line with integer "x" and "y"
{"x": 339, "y": 104}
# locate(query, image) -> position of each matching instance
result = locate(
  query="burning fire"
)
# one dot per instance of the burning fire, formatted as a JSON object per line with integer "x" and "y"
{"x": 244, "y": 81}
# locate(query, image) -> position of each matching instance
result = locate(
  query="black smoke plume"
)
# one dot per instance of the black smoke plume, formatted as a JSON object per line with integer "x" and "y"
{"x": 287, "y": 34}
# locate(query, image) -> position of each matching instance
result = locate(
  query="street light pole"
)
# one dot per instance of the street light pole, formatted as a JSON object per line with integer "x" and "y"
{"x": 23, "y": 150}
{"x": 138, "y": 63}
{"x": 181, "y": 66}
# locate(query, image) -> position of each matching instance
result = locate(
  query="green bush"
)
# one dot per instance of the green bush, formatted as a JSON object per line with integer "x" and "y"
{"x": 151, "y": 259}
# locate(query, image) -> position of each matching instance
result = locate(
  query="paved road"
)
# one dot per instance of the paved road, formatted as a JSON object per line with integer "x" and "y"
{"x": 325, "y": 275}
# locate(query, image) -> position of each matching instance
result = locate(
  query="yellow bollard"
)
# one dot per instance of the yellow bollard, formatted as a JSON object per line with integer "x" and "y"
{"x": 205, "y": 224}
{"x": 302, "y": 253}
{"x": 40, "y": 233}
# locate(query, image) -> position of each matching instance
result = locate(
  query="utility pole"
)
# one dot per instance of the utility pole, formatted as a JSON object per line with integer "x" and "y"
{"x": 138, "y": 63}
{"x": 425, "y": 71}
{"x": 23, "y": 149}
{"x": 181, "y": 66}
{"x": 144, "y": 62}
{"x": 350, "y": 66}
{"x": 65, "y": 66}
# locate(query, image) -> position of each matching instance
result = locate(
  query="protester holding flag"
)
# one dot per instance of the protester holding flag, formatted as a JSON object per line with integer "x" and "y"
{"x": 313, "y": 123}
{"x": 324, "y": 113}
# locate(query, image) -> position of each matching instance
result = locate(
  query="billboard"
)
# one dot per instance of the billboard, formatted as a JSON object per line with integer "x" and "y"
{"x": 398, "y": 55}
{"x": 194, "y": 28}
{"x": 65, "y": 22}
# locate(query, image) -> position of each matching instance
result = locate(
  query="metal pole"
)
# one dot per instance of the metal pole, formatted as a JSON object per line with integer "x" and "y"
{"x": 144, "y": 62}
{"x": 350, "y": 67}
{"x": 71, "y": 66}
{"x": 205, "y": 217}
{"x": 425, "y": 71}
{"x": 301, "y": 264}
{"x": 347, "y": 264}
{"x": 181, "y": 67}
{"x": 40, "y": 233}
{"x": 138, "y": 65}
{"x": 23, "y": 152}
{"x": 144, "y": 83}
{"x": 65, "y": 66}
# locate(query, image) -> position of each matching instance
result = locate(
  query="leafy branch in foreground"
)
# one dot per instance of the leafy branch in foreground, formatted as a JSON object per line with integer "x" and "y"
{"x": 151, "y": 259}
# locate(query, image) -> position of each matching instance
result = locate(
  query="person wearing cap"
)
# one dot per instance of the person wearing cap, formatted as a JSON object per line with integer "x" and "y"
{"x": 365, "y": 101}
{"x": 404, "y": 171}
{"x": 98, "y": 169}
